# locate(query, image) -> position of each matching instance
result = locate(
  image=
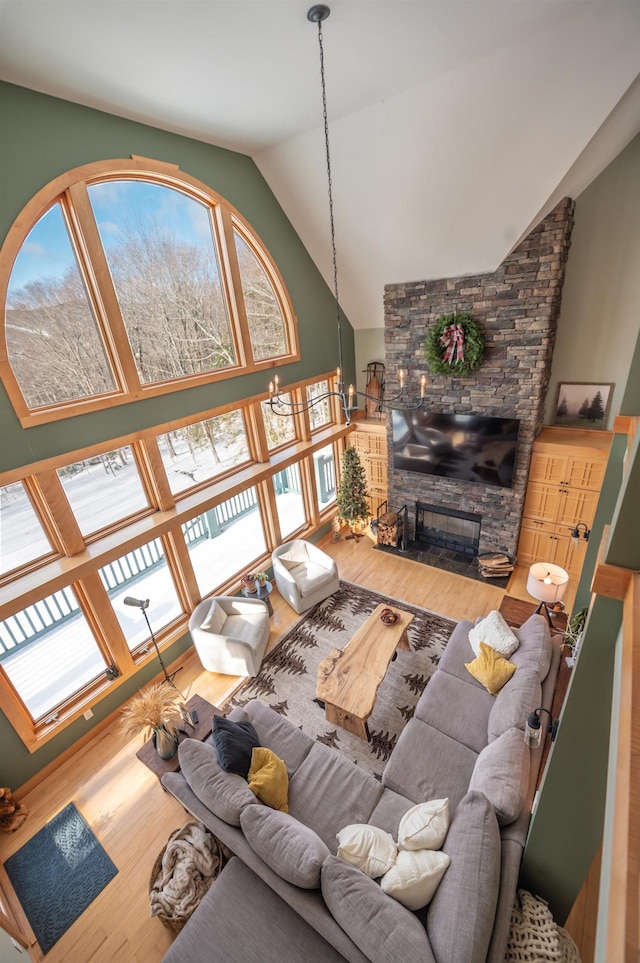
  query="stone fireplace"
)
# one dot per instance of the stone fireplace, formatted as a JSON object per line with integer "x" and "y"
{"x": 517, "y": 309}
{"x": 447, "y": 528}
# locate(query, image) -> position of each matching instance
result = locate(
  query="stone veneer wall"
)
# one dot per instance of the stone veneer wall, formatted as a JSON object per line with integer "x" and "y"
{"x": 517, "y": 309}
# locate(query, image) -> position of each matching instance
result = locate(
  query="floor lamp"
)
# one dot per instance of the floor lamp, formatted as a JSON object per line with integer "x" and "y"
{"x": 547, "y": 583}
{"x": 144, "y": 605}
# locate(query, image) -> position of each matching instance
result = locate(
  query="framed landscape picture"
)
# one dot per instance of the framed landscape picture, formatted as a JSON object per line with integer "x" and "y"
{"x": 581, "y": 404}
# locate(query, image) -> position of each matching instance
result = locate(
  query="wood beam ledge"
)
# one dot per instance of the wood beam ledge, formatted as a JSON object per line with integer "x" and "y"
{"x": 611, "y": 581}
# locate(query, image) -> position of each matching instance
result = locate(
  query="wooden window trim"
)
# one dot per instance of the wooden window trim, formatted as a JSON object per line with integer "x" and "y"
{"x": 70, "y": 190}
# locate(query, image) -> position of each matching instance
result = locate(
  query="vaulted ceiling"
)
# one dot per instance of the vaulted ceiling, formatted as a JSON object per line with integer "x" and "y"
{"x": 454, "y": 125}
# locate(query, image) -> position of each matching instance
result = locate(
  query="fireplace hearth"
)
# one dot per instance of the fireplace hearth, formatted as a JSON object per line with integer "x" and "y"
{"x": 446, "y": 528}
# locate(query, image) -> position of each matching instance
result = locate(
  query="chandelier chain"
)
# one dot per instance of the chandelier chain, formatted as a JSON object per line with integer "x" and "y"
{"x": 330, "y": 190}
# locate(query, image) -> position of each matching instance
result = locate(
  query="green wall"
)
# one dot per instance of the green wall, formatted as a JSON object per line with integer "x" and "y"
{"x": 43, "y": 137}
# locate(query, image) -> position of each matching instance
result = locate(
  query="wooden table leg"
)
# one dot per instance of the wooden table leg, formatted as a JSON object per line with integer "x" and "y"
{"x": 346, "y": 720}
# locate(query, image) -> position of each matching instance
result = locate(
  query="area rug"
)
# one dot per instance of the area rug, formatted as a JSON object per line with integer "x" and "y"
{"x": 58, "y": 873}
{"x": 287, "y": 678}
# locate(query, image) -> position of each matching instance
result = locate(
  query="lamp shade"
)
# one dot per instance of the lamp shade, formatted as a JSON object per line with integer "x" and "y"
{"x": 547, "y": 582}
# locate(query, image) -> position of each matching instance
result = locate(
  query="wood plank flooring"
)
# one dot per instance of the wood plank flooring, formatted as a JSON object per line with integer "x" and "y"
{"x": 124, "y": 803}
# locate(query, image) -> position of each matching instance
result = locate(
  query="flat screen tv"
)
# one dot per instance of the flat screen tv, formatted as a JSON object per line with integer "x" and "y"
{"x": 472, "y": 448}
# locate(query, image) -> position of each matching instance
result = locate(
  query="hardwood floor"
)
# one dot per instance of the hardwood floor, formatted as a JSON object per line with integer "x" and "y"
{"x": 124, "y": 803}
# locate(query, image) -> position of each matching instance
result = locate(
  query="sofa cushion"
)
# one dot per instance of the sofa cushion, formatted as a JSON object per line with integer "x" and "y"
{"x": 381, "y": 927}
{"x": 296, "y": 553}
{"x": 424, "y": 826}
{"x": 461, "y": 915}
{"x": 514, "y": 703}
{"x": 368, "y": 848}
{"x": 458, "y": 652}
{"x": 491, "y": 669}
{"x": 225, "y": 793}
{"x": 215, "y": 618}
{"x": 426, "y": 764}
{"x": 502, "y": 774}
{"x": 536, "y": 648}
{"x": 389, "y": 810}
{"x": 468, "y": 723}
{"x": 288, "y": 742}
{"x": 234, "y": 742}
{"x": 328, "y": 792}
{"x": 415, "y": 877}
{"x": 268, "y": 779}
{"x": 291, "y": 849}
{"x": 495, "y": 632}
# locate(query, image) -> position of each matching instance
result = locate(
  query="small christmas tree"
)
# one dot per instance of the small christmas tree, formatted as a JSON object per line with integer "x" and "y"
{"x": 352, "y": 500}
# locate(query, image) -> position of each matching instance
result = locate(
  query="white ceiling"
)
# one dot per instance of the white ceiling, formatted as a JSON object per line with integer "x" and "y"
{"x": 454, "y": 125}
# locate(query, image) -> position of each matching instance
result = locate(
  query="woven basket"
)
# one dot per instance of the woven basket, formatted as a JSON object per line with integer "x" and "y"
{"x": 176, "y": 923}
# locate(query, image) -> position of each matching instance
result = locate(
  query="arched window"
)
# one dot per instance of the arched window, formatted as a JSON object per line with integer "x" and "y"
{"x": 126, "y": 279}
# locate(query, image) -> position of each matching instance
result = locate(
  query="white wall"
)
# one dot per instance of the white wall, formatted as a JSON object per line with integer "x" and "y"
{"x": 600, "y": 314}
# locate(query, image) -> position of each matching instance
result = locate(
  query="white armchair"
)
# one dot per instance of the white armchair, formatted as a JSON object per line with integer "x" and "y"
{"x": 230, "y": 634}
{"x": 304, "y": 574}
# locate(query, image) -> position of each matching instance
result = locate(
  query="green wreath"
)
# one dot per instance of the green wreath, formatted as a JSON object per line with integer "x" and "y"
{"x": 465, "y": 353}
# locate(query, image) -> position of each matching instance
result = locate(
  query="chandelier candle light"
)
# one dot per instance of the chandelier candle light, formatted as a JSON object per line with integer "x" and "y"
{"x": 279, "y": 404}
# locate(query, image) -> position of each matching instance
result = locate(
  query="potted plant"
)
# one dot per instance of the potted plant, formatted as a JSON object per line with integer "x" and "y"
{"x": 154, "y": 711}
{"x": 249, "y": 582}
{"x": 262, "y": 578}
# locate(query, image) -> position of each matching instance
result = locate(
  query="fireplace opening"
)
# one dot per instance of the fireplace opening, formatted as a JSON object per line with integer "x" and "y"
{"x": 448, "y": 528}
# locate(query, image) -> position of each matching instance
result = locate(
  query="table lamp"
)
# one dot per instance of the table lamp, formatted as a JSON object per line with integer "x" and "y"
{"x": 547, "y": 583}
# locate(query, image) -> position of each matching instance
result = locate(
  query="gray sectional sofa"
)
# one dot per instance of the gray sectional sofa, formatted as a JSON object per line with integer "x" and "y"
{"x": 462, "y": 743}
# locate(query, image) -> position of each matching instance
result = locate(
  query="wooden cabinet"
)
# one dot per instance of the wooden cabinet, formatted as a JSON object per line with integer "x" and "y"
{"x": 370, "y": 441}
{"x": 565, "y": 477}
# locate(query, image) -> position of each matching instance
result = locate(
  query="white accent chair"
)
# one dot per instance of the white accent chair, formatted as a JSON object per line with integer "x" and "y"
{"x": 230, "y": 634}
{"x": 304, "y": 574}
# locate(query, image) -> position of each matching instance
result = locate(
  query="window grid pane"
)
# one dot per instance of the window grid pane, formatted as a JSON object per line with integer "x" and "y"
{"x": 198, "y": 452}
{"x": 264, "y": 317}
{"x": 22, "y": 537}
{"x": 289, "y": 500}
{"x": 280, "y": 430}
{"x": 103, "y": 489}
{"x": 164, "y": 264}
{"x": 320, "y": 414}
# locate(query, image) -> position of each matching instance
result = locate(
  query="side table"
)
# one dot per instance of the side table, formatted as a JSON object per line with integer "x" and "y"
{"x": 262, "y": 592}
{"x": 148, "y": 753}
{"x": 516, "y": 611}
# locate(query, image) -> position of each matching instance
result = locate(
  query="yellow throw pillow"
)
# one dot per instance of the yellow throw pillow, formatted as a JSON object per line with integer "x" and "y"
{"x": 490, "y": 669}
{"x": 268, "y": 779}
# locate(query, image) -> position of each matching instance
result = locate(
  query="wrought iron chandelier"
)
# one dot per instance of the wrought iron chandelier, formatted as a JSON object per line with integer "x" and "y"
{"x": 285, "y": 406}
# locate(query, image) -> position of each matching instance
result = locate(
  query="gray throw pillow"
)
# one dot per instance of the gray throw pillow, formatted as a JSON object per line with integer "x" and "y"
{"x": 290, "y": 848}
{"x": 513, "y": 704}
{"x": 536, "y": 648}
{"x": 224, "y": 793}
{"x": 462, "y": 913}
{"x": 502, "y": 773}
{"x": 381, "y": 927}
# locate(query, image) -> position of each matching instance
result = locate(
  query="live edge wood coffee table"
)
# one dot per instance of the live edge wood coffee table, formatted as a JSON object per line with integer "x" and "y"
{"x": 349, "y": 678}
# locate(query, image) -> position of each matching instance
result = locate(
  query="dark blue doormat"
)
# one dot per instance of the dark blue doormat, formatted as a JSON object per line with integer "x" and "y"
{"x": 58, "y": 873}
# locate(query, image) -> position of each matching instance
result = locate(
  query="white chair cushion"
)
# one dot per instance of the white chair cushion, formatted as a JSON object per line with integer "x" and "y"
{"x": 311, "y": 577}
{"x": 243, "y": 627}
{"x": 215, "y": 619}
{"x": 297, "y": 552}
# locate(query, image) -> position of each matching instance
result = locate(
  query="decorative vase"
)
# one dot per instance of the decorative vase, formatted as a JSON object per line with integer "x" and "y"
{"x": 165, "y": 742}
{"x": 261, "y": 582}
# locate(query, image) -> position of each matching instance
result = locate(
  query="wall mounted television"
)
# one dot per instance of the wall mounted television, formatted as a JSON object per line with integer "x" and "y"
{"x": 472, "y": 448}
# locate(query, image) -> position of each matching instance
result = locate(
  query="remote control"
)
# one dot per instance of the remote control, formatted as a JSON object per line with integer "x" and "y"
{"x": 194, "y": 717}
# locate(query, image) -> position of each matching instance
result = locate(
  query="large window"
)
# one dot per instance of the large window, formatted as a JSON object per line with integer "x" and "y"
{"x": 120, "y": 281}
{"x": 126, "y": 284}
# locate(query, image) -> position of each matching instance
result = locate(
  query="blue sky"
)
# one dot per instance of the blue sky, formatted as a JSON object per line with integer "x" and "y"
{"x": 47, "y": 251}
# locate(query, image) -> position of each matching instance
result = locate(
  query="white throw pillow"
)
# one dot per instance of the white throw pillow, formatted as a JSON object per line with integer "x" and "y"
{"x": 424, "y": 826}
{"x": 495, "y": 632}
{"x": 216, "y": 617}
{"x": 415, "y": 877}
{"x": 369, "y": 849}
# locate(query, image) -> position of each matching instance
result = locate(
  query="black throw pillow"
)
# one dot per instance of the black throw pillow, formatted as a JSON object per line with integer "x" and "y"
{"x": 234, "y": 742}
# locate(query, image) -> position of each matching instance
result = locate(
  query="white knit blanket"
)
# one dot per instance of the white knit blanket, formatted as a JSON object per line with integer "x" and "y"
{"x": 189, "y": 864}
{"x": 534, "y": 937}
